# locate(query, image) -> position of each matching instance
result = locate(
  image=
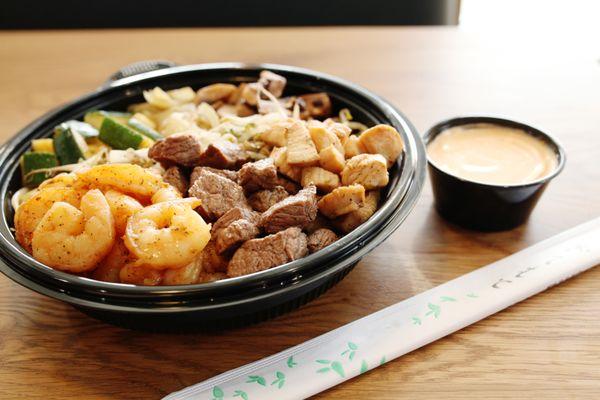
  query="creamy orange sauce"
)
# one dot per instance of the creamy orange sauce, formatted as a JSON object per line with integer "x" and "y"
{"x": 493, "y": 154}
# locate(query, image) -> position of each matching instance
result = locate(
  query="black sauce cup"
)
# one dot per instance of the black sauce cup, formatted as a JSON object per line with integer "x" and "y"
{"x": 481, "y": 206}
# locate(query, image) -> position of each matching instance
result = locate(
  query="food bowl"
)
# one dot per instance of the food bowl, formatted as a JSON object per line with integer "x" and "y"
{"x": 483, "y": 206}
{"x": 229, "y": 302}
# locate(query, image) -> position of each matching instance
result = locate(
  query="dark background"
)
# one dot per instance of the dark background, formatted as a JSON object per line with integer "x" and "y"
{"x": 61, "y": 14}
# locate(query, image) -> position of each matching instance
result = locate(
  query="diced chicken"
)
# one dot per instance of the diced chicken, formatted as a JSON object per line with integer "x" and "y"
{"x": 159, "y": 98}
{"x": 368, "y": 170}
{"x": 320, "y": 239}
{"x": 351, "y": 221}
{"x": 182, "y": 95}
{"x": 215, "y": 92}
{"x": 384, "y": 140}
{"x": 274, "y": 83}
{"x": 243, "y": 110}
{"x": 317, "y": 104}
{"x": 341, "y": 131}
{"x": 331, "y": 159}
{"x": 353, "y": 147}
{"x": 342, "y": 200}
{"x": 323, "y": 137}
{"x": 279, "y": 156}
{"x": 301, "y": 150}
{"x": 276, "y": 134}
{"x": 250, "y": 94}
{"x": 324, "y": 180}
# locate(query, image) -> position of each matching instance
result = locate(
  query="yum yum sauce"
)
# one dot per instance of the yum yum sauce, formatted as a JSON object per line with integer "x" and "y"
{"x": 492, "y": 154}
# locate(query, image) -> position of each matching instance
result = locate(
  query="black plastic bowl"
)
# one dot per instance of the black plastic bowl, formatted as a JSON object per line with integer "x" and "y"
{"x": 229, "y": 302}
{"x": 488, "y": 207}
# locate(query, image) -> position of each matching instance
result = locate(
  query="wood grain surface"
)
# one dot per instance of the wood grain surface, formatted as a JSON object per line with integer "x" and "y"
{"x": 547, "y": 347}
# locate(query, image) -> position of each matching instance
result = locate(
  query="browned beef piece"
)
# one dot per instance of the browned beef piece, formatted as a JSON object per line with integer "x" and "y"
{"x": 223, "y": 155}
{"x": 258, "y": 175}
{"x": 235, "y": 234}
{"x": 290, "y": 186}
{"x": 298, "y": 210}
{"x": 225, "y": 173}
{"x": 272, "y": 82}
{"x": 234, "y": 227}
{"x": 211, "y": 261}
{"x": 273, "y": 250}
{"x": 320, "y": 239}
{"x": 234, "y": 214}
{"x": 211, "y": 277}
{"x": 218, "y": 194}
{"x": 181, "y": 148}
{"x": 175, "y": 177}
{"x": 262, "y": 200}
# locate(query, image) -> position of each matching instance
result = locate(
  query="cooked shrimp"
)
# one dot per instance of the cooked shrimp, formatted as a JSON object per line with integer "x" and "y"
{"x": 72, "y": 240}
{"x": 110, "y": 267}
{"x": 126, "y": 178}
{"x": 167, "y": 235}
{"x": 140, "y": 275}
{"x": 31, "y": 212}
{"x": 166, "y": 194}
{"x": 182, "y": 276}
{"x": 122, "y": 207}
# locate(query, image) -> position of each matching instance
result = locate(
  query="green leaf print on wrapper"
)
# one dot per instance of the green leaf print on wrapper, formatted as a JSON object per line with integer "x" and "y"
{"x": 351, "y": 351}
{"x": 291, "y": 363}
{"x": 335, "y": 366}
{"x": 218, "y": 393}
{"x": 416, "y": 320}
{"x": 258, "y": 379}
{"x": 240, "y": 393}
{"x": 364, "y": 367}
{"x": 280, "y": 381}
{"x": 434, "y": 310}
{"x": 447, "y": 298}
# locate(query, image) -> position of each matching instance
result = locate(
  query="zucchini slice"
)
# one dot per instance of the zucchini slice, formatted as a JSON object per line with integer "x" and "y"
{"x": 96, "y": 117}
{"x": 119, "y": 136}
{"x": 69, "y": 146}
{"x": 144, "y": 130}
{"x": 32, "y": 161}
{"x": 84, "y": 129}
{"x": 42, "y": 145}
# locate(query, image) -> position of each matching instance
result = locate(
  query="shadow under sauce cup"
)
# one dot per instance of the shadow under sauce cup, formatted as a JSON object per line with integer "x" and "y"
{"x": 487, "y": 206}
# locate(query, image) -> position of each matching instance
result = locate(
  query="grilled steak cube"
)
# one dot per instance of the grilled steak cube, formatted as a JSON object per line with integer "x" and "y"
{"x": 262, "y": 200}
{"x": 218, "y": 194}
{"x": 232, "y": 215}
{"x": 320, "y": 239}
{"x": 235, "y": 234}
{"x": 273, "y": 250}
{"x": 225, "y": 173}
{"x": 258, "y": 175}
{"x": 211, "y": 261}
{"x": 298, "y": 210}
{"x": 175, "y": 177}
{"x": 181, "y": 148}
{"x": 223, "y": 155}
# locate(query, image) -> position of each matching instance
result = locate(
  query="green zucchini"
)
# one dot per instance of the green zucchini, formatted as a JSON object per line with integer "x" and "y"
{"x": 96, "y": 117}
{"x": 84, "y": 129}
{"x": 119, "y": 136}
{"x": 69, "y": 146}
{"x": 32, "y": 161}
{"x": 144, "y": 130}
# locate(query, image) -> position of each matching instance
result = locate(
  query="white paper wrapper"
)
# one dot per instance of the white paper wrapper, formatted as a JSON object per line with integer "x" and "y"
{"x": 346, "y": 352}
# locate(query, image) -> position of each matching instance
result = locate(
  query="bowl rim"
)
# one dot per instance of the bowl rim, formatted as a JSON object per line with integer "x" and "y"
{"x": 532, "y": 130}
{"x": 412, "y": 181}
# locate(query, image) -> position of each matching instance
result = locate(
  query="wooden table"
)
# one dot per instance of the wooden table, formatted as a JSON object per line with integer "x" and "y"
{"x": 546, "y": 347}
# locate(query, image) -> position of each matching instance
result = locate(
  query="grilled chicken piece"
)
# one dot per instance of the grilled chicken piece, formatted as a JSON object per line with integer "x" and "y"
{"x": 368, "y": 170}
